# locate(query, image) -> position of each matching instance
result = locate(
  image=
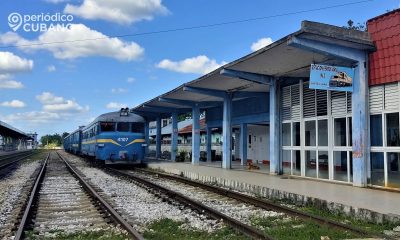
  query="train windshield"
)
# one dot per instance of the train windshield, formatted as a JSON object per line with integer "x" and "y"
{"x": 123, "y": 127}
{"x": 137, "y": 127}
{"x": 107, "y": 126}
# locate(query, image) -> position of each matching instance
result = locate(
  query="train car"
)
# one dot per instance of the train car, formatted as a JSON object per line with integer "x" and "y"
{"x": 72, "y": 142}
{"x": 115, "y": 138}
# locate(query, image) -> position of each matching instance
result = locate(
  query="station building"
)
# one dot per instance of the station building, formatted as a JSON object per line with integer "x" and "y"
{"x": 269, "y": 101}
{"x": 12, "y": 139}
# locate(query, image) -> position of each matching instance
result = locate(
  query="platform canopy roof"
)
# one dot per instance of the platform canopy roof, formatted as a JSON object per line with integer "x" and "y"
{"x": 279, "y": 60}
{"x": 8, "y": 130}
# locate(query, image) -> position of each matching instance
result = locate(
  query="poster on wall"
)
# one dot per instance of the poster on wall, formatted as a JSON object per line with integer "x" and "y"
{"x": 333, "y": 78}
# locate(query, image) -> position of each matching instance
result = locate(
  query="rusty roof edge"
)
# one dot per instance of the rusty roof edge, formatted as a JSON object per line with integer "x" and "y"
{"x": 339, "y": 33}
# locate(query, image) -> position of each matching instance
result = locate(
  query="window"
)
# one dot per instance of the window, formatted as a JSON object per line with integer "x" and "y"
{"x": 323, "y": 169}
{"x": 123, "y": 127}
{"x": 340, "y": 131}
{"x": 107, "y": 126}
{"x": 393, "y": 161}
{"x": 311, "y": 164}
{"x": 376, "y": 130}
{"x": 323, "y": 132}
{"x": 310, "y": 133}
{"x": 286, "y": 134}
{"x": 296, "y": 134}
{"x": 392, "y": 129}
{"x": 377, "y": 169}
{"x": 340, "y": 165}
{"x": 137, "y": 127}
{"x": 286, "y": 161}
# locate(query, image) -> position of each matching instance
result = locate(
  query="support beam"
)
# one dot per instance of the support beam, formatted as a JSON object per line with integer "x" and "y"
{"x": 252, "y": 77}
{"x": 190, "y": 103}
{"x": 174, "y": 136}
{"x": 158, "y": 137}
{"x": 274, "y": 140}
{"x": 359, "y": 125}
{"x": 227, "y": 133}
{"x": 243, "y": 143}
{"x": 146, "y": 136}
{"x": 337, "y": 51}
{"x": 160, "y": 109}
{"x": 242, "y": 94}
{"x": 196, "y": 135}
{"x": 209, "y": 144}
{"x": 205, "y": 91}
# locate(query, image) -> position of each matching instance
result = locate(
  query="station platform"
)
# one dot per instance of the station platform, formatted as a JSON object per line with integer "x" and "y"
{"x": 373, "y": 204}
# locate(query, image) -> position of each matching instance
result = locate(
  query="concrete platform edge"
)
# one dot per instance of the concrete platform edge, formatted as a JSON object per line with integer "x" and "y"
{"x": 297, "y": 199}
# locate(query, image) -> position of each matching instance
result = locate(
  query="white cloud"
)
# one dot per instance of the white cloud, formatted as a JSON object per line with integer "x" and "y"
{"x": 51, "y": 68}
{"x": 200, "y": 64}
{"x": 10, "y": 84}
{"x": 262, "y": 42}
{"x": 69, "y": 106}
{"x": 119, "y": 90}
{"x": 11, "y": 63}
{"x": 120, "y": 11}
{"x": 13, "y": 104}
{"x": 66, "y": 44}
{"x": 53, "y": 103}
{"x": 131, "y": 80}
{"x": 33, "y": 117}
{"x": 49, "y": 98}
{"x": 115, "y": 105}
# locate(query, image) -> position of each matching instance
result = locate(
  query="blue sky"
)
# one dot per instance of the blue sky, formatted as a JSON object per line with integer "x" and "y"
{"x": 52, "y": 88}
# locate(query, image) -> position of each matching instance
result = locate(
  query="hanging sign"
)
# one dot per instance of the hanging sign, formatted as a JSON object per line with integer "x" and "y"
{"x": 331, "y": 78}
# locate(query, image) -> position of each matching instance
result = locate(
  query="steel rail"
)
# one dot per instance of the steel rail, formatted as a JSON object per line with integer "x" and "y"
{"x": 115, "y": 215}
{"x": 235, "y": 224}
{"x": 268, "y": 205}
{"x": 28, "y": 208}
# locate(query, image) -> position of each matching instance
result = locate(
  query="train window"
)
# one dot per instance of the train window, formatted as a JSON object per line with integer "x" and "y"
{"x": 123, "y": 127}
{"x": 137, "y": 127}
{"x": 107, "y": 126}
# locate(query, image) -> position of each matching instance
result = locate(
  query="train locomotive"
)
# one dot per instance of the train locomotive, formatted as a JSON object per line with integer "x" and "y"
{"x": 115, "y": 138}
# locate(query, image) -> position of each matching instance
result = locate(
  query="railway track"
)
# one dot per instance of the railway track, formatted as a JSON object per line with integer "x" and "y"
{"x": 175, "y": 189}
{"x": 236, "y": 224}
{"x": 10, "y": 160}
{"x": 62, "y": 201}
{"x": 267, "y": 205}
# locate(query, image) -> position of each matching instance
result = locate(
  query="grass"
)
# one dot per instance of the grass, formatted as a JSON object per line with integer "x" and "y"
{"x": 59, "y": 235}
{"x": 288, "y": 228}
{"x": 167, "y": 229}
{"x": 373, "y": 228}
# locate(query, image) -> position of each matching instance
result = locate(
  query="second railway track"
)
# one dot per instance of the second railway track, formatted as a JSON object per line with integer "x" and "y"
{"x": 61, "y": 201}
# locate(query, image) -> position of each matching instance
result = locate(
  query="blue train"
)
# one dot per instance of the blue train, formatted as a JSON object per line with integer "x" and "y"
{"x": 115, "y": 137}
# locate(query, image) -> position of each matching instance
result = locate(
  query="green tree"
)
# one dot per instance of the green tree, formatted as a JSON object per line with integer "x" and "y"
{"x": 51, "y": 139}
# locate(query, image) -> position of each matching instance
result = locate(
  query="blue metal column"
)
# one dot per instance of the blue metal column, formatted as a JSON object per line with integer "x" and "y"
{"x": 227, "y": 133}
{"x": 243, "y": 143}
{"x": 360, "y": 127}
{"x": 158, "y": 137}
{"x": 174, "y": 136}
{"x": 146, "y": 136}
{"x": 196, "y": 135}
{"x": 274, "y": 143}
{"x": 209, "y": 144}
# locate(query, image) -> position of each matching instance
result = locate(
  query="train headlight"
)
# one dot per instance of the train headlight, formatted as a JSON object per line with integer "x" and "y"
{"x": 144, "y": 145}
{"x": 100, "y": 145}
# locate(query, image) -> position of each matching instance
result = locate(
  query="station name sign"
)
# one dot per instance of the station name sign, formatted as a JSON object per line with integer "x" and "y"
{"x": 334, "y": 78}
